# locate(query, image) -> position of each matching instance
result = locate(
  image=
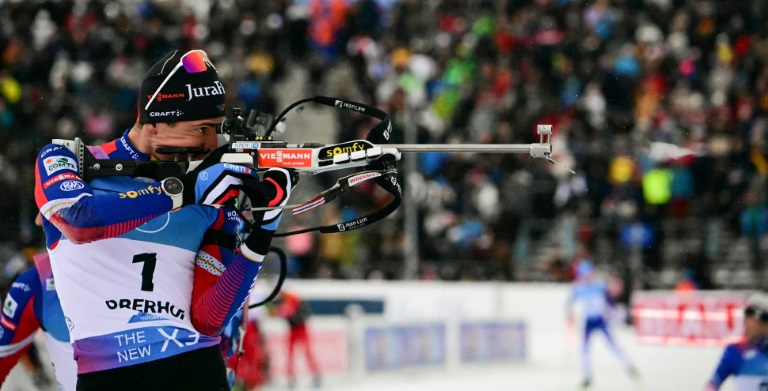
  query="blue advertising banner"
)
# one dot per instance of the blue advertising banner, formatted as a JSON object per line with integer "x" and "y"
{"x": 492, "y": 341}
{"x": 399, "y": 347}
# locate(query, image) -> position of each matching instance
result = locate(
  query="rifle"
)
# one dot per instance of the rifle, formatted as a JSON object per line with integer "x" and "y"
{"x": 250, "y": 143}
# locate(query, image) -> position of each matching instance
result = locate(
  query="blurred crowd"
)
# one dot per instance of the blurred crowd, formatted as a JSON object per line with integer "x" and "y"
{"x": 659, "y": 106}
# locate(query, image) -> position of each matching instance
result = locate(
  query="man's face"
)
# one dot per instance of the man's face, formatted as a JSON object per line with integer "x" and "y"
{"x": 186, "y": 134}
{"x": 754, "y": 326}
{"x": 751, "y": 327}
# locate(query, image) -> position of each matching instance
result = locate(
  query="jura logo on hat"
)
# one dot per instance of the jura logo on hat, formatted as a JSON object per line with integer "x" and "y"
{"x": 197, "y": 92}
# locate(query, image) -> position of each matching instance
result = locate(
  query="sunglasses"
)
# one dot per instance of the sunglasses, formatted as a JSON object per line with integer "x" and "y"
{"x": 193, "y": 61}
{"x": 754, "y": 312}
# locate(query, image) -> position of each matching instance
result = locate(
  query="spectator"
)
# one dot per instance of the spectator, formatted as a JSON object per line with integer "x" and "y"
{"x": 691, "y": 74}
{"x": 290, "y": 307}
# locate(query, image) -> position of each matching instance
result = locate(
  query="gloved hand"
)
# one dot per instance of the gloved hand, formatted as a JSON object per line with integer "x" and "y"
{"x": 217, "y": 185}
{"x": 274, "y": 190}
{"x": 211, "y": 172}
{"x": 278, "y": 183}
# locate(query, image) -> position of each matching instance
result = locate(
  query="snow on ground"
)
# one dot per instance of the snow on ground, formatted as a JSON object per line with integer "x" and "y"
{"x": 663, "y": 368}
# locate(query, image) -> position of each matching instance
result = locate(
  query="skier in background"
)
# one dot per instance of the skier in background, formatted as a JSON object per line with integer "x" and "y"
{"x": 590, "y": 293}
{"x": 747, "y": 360}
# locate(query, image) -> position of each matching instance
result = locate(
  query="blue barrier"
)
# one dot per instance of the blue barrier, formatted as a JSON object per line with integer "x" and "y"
{"x": 492, "y": 341}
{"x": 399, "y": 347}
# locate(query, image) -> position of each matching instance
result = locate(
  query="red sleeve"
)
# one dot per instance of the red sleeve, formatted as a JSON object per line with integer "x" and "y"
{"x": 223, "y": 279}
{"x": 19, "y": 324}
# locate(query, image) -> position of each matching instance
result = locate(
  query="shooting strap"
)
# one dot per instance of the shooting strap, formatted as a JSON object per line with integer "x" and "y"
{"x": 341, "y": 186}
{"x": 386, "y": 179}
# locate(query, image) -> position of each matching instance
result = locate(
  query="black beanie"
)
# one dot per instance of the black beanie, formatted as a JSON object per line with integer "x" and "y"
{"x": 184, "y": 97}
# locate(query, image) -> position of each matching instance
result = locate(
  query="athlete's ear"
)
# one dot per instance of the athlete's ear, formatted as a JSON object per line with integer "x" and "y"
{"x": 151, "y": 129}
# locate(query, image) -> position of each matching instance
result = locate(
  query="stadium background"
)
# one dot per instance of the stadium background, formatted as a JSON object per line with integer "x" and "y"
{"x": 611, "y": 76}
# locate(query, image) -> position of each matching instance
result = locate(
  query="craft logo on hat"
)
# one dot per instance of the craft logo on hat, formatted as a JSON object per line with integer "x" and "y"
{"x": 172, "y": 113}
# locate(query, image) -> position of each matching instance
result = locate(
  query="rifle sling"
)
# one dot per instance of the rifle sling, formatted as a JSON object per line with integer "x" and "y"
{"x": 388, "y": 182}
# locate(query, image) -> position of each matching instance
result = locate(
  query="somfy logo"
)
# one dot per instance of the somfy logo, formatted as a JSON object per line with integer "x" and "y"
{"x": 331, "y": 151}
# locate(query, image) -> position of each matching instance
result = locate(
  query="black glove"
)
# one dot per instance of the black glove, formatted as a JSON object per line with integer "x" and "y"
{"x": 276, "y": 187}
{"x": 274, "y": 190}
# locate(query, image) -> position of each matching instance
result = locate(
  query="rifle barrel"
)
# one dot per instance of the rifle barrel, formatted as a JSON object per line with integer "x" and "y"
{"x": 480, "y": 148}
